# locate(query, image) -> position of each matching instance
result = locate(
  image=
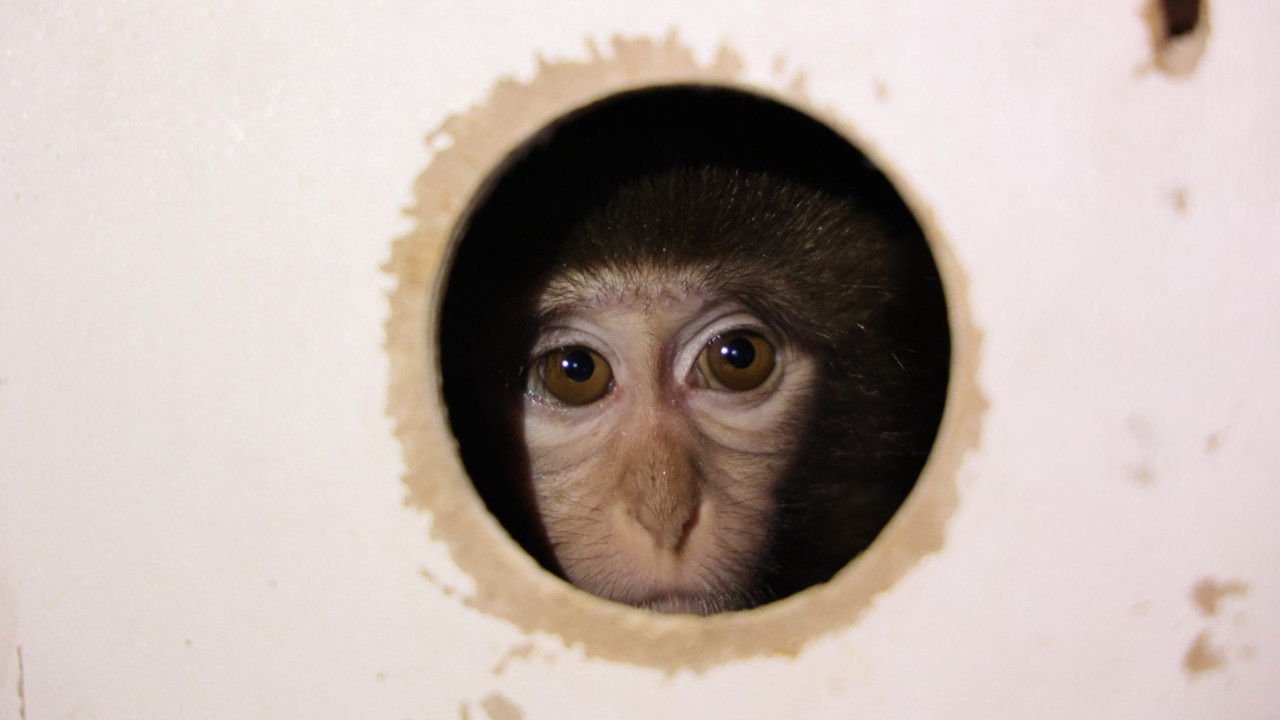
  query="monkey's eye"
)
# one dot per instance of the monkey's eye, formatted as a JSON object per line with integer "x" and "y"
{"x": 571, "y": 375}
{"x": 737, "y": 361}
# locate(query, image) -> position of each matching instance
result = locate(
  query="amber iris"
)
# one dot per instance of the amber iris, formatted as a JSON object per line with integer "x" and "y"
{"x": 737, "y": 361}
{"x": 572, "y": 375}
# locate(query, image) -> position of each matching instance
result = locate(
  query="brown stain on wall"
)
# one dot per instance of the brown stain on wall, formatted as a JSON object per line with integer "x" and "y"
{"x": 1208, "y": 593}
{"x": 1203, "y": 657}
{"x": 508, "y": 583}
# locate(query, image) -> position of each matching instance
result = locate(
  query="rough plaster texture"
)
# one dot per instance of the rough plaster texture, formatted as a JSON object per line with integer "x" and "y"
{"x": 202, "y": 510}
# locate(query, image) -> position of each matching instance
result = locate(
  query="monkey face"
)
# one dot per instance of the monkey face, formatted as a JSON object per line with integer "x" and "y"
{"x": 659, "y": 417}
{"x": 696, "y": 384}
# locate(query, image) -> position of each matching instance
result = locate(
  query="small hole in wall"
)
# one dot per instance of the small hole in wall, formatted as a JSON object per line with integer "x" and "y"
{"x": 1180, "y": 17}
{"x": 1180, "y": 33}
{"x": 694, "y": 349}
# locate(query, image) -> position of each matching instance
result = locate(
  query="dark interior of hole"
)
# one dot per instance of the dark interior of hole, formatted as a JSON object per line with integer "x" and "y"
{"x": 858, "y": 468}
{"x": 1180, "y": 16}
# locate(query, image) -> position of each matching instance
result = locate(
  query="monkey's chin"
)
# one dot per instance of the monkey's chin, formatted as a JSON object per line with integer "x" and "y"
{"x": 682, "y": 604}
{"x": 709, "y": 602}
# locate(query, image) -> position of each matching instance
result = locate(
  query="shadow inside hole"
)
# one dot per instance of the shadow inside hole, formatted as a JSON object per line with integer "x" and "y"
{"x": 875, "y": 417}
{"x": 1180, "y": 17}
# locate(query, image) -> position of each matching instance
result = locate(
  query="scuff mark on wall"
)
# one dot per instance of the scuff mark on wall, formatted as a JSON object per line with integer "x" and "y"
{"x": 881, "y": 90}
{"x": 9, "y": 632}
{"x": 1140, "y": 471}
{"x": 1141, "y": 474}
{"x": 445, "y": 589}
{"x": 22, "y": 686}
{"x": 1213, "y": 442}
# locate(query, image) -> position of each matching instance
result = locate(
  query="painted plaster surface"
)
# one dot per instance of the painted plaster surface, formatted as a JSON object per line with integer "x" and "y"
{"x": 202, "y": 500}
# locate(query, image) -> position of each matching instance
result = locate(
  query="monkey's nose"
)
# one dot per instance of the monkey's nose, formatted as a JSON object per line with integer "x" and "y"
{"x": 667, "y": 506}
{"x": 668, "y": 528}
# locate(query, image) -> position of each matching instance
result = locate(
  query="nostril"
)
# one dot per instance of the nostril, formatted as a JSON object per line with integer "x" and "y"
{"x": 687, "y": 529}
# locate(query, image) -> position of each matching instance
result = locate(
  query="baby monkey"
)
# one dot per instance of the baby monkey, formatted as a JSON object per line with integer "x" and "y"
{"x": 728, "y": 383}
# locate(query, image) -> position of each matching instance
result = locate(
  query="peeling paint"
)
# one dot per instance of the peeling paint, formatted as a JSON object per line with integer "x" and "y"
{"x": 508, "y": 583}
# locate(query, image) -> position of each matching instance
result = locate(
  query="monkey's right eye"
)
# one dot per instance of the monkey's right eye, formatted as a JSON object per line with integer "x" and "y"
{"x": 571, "y": 375}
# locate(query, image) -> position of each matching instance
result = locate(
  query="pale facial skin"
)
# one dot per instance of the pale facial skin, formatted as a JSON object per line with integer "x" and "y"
{"x": 656, "y": 488}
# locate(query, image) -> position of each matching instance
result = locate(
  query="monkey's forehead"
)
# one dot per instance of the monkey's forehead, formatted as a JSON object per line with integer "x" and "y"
{"x": 579, "y": 290}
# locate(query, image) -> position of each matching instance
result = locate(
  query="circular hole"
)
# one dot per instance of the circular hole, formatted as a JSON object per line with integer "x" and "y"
{"x": 596, "y": 275}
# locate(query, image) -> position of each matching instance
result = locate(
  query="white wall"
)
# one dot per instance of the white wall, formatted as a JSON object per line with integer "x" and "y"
{"x": 202, "y": 498}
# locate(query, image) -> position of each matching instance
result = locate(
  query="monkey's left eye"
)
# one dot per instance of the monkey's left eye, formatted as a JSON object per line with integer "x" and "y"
{"x": 737, "y": 361}
{"x": 571, "y": 375}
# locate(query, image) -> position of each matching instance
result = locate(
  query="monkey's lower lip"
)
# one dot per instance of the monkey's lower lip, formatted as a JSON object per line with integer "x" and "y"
{"x": 677, "y": 604}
